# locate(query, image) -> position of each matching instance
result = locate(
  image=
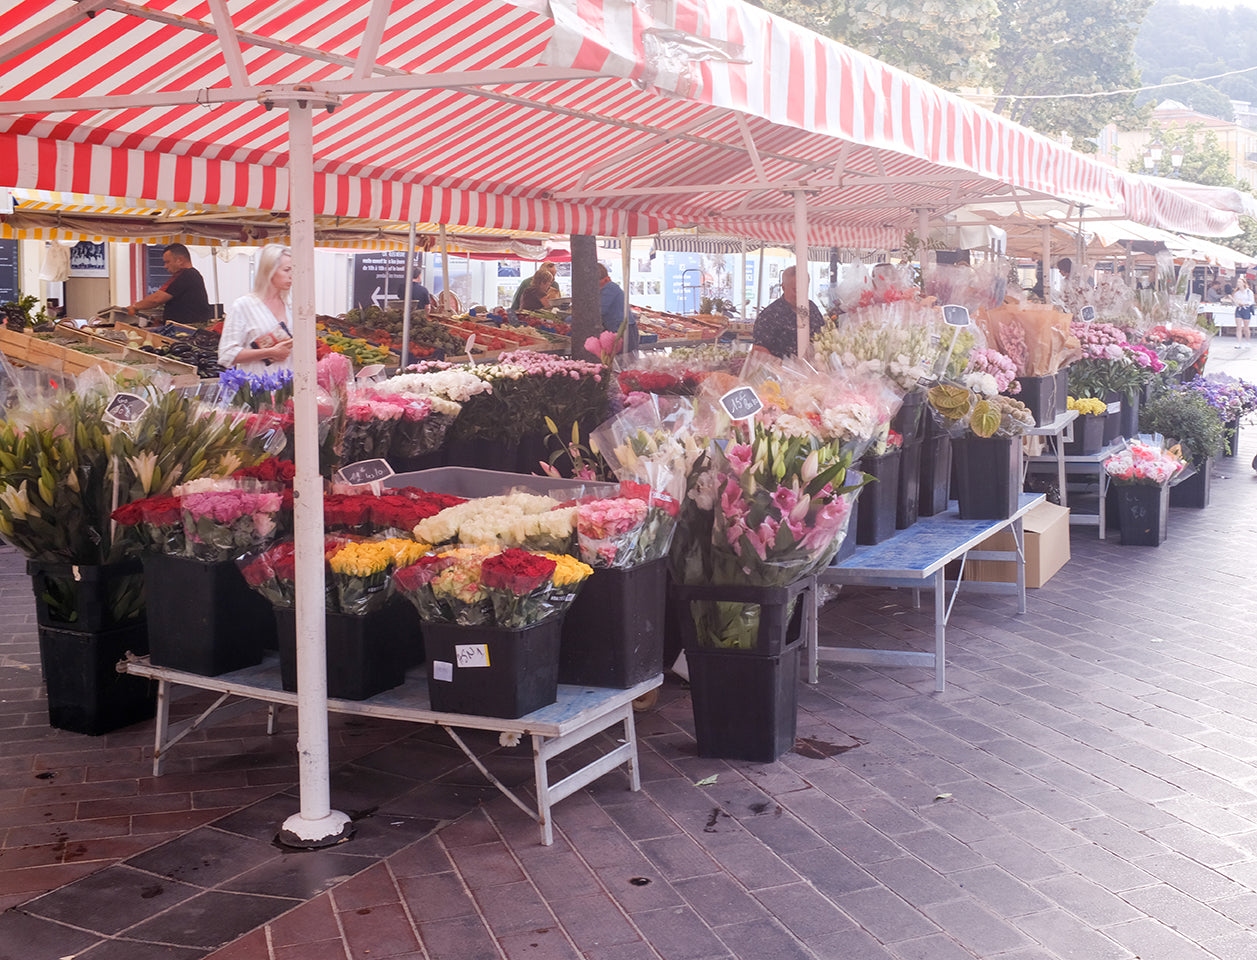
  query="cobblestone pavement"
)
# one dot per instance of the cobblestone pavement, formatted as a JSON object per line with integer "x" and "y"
{"x": 1084, "y": 789}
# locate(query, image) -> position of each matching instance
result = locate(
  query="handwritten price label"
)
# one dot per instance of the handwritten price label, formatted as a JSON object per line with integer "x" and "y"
{"x": 364, "y": 472}
{"x": 741, "y": 403}
{"x": 126, "y": 408}
{"x": 1088, "y": 313}
{"x": 956, "y": 315}
{"x": 471, "y": 654}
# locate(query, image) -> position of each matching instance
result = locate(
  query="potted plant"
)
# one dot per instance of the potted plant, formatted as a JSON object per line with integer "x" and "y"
{"x": 1186, "y": 418}
{"x": 986, "y": 445}
{"x": 1232, "y": 398}
{"x": 1141, "y": 474}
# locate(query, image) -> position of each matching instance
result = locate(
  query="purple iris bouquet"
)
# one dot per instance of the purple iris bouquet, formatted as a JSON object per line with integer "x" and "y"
{"x": 1230, "y": 396}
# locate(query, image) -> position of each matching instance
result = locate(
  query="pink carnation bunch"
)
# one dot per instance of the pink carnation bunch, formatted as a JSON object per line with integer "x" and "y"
{"x": 1143, "y": 463}
{"x": 999, "y": 366}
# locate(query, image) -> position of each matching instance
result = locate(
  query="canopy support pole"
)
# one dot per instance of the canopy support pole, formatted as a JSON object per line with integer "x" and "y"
{"x": 742, "y": 283}
{"x": 1047, "y": 263}
{"x": 759, "y": 283}
{"x": 408, "y": 299}
{"x": 446, "y": 293}
{"x": 626, "y": 267}
{"x": 316, "y": 825}
{"x": 923, "y": 234}
{"x": 802, "y": 310}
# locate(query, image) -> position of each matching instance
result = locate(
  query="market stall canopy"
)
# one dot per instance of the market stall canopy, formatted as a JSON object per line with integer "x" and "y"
{"x": 606, "y": 117}
{"x": 47, "y": 215}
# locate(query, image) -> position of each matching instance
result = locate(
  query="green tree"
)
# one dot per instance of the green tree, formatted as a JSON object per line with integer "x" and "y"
{"x": 1067, "y": 46}
{"x": 1201, "y": 98}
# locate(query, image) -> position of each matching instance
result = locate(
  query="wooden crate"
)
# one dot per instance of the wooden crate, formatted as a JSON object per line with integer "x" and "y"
{"x": 35, "y": 352}
{"x": 132, "y": 355}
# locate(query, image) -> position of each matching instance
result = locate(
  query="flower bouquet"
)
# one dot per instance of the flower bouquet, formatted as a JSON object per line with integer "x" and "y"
{"x": 272, "y": 573}
{"x": 898, "y": 340}
{"x": 361, "y": 572}
{"x": 368, "y": 428}
{"x": 158, "y": 524}
{"x": 514, "y": 520}
{"x": 223, "y": 520}
{"x": 1144, "y": 463}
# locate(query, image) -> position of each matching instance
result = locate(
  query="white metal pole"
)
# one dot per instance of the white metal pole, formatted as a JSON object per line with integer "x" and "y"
{"x": 407, "y": 301}
{"x": 626, "y": 267}
{"x": 923, "y": 234}
{"x": 316, "y": 824}
{"x": 1047, "y": 263}
{"x": 801, "y": 309}
{"x": 742, "y": 283}
{"x": 445, "y": 270}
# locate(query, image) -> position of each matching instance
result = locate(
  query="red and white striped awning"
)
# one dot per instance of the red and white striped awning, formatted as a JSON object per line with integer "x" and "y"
{"x": 559, "y": 116}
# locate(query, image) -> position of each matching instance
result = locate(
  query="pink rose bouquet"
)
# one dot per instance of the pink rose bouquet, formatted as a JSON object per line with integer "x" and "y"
{"x": 228, "y": 523}
{"x": 1144, "y": 463}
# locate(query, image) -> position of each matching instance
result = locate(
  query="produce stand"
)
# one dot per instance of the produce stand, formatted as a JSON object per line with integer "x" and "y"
{"x": 914, "y": 558}
{"x": 111, "y": 357}
{"x": 579, "y": 714}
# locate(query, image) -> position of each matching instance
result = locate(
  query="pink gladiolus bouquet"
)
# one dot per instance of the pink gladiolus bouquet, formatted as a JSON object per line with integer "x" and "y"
{"x": 228, "y": 523}
{"x": 1144, "y": 463}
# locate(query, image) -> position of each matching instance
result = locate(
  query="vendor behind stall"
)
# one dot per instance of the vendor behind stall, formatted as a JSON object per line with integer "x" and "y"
{"x": 182, "y": 298}
{"x": 257, "y": 334}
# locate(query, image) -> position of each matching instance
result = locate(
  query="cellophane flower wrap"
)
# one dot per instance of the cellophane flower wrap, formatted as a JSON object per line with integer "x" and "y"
{"x": 369, "y": 427}
{"x": 518, "y": 584}
{"x": 898, "y": 340}
{"x": 768, "y": 503}
{"x": 1034, "y": 336}
{"x": 517, "y": 519}
{"x": 224, "y": 520}
{"x": 272, "y": 573}
{"x": 678, "y": 372}
{"x": 362, "y": 571}
{"x": 444, "y": 392}
{"x": 1144, "y": 463}
{"x": 628, "y": 530}
{"x": 1176, "y": 341}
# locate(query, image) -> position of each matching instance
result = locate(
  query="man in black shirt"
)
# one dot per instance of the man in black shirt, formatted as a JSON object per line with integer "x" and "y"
{"x": 183, "y": 298}
{"x": 776, "y": 326}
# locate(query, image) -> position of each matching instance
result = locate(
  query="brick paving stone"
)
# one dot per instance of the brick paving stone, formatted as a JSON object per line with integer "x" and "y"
{"x": 1149, "y": 938}
{"x": 678, "y": 933}
{"x": 540, "y": 944}
{"x": 380, "y": 931}
{"x": 1085, "y": 899}
{"x": 763, "y": 939}
{"x": 886, "y": 915}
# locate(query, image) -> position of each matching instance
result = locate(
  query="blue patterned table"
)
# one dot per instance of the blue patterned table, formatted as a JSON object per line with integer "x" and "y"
{"x": 915, "y": 558}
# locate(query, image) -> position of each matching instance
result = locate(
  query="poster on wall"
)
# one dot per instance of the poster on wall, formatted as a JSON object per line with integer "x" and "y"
{"x": 88, "y": 259}
{"x": 9, "y": 287}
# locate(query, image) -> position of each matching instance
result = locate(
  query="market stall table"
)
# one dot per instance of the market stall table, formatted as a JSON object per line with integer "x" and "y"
{"x": 1089, "y": 466}
{"x": 1055, "y": 434}
{"x": 580, "y": 713}
{"x": 915, "y": 557}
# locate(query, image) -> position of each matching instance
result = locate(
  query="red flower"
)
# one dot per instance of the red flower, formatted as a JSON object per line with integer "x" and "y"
{"x": 518, "y": 571}
{"x": 421, "y": 572}
{"x": 161, "y": 511}
{"x": 129, "y": 514}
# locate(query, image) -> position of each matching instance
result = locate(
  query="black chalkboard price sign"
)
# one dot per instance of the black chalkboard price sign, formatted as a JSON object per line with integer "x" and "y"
{"x": 1088, "y": 313}
{"x": 956, "y": 315}
{"x": 742, "y": 403}
{"x": 364, "y": 471}
{"x": 126, "y": 408}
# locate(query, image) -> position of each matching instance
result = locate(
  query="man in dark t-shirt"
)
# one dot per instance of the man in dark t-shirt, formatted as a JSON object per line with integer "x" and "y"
{"x": 776, "y": 327}
{"x": 182, "y": 298}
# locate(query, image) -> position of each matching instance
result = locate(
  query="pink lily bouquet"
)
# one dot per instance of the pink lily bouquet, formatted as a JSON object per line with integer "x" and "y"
{"x": 1144, "y": 463}
{"x": 223, "y": 520}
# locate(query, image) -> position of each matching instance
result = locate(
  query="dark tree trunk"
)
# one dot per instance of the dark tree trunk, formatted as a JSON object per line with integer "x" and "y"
{"x": 586, "y": 316}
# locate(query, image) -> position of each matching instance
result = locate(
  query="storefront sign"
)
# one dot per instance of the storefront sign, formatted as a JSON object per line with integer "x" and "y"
{"x": 380, "y": 280}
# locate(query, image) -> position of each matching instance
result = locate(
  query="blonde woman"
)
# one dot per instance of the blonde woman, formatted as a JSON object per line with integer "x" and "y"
{"x": 1243, "y": 300}
{"x": 257, "y": 334}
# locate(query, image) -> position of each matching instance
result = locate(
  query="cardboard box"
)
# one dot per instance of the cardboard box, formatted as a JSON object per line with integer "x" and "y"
{"x": 1046, "y": 529}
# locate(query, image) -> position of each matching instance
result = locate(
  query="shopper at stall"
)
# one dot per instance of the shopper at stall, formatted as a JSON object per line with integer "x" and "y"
{"x": 611, "y": 307}
{"x": 777, "y": 324}
{"x": 1243, "y": 300}
{"x": 182, "y": 298}
{"x": 549, "y": 269}
{"x": 257, "y": 335}
{"x": 536, "y": 295}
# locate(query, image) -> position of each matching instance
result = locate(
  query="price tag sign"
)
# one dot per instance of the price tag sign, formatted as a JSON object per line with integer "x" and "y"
{"x": 1088, "y": 313}
{"x": 471, "y": 345}
{"x": 956, "y": 315}
{"x": 126, "y": 408}
{"x": 742, "y": 403}
{"x": 364, "y": 472}
{"x": 443, "y": 670}
{"x": 471, "y": 654}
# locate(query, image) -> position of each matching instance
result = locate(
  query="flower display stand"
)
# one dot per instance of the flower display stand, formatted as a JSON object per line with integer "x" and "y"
{"x": 202, "y": 616}
{"x": 1230, "y": 436}
{"x": 1143, "y": 511}
{"x": 1088, "y": 435}
{"x": 87, "y": 597}
{"x": 86, "y": 693}
{"x": 909, "y": 423}
{"x": 493, "y": 671}
{"x": 879, "y": 498}
{"x": 1039, "y": 395}
{"x": 366, "y": 655}
{"x": 988, "y": 476}
{"x": 1194, "y": 490}
{"x": 935, "y": 489}
{"x": 745, "y": 700}
{"x": 613, "y": 632}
